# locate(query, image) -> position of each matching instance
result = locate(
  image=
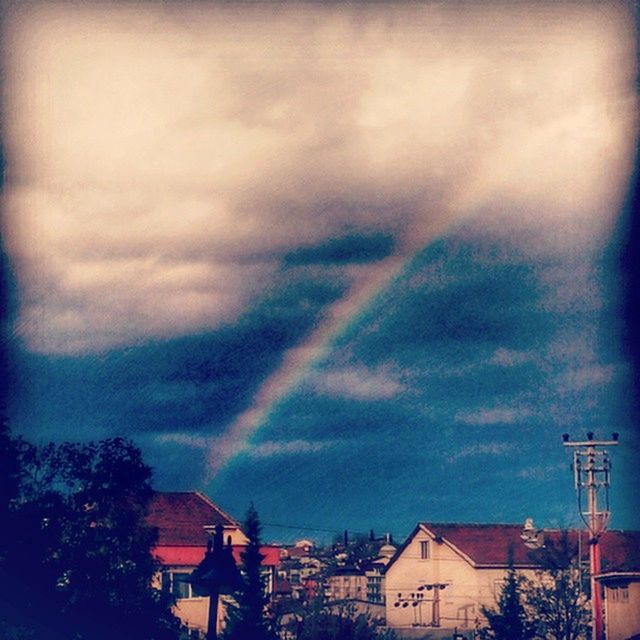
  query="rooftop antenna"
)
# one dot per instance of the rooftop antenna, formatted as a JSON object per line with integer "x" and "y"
{"x": 533, "y": 538}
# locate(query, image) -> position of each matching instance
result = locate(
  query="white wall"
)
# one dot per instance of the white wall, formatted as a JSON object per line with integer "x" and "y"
{"x": 460, "y": 602}
{"x": 622, "y": 616}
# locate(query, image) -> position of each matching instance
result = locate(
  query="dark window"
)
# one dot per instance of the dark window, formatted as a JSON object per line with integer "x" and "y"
{"x": 179, "y": 587}
{"x": 424, "y": 549}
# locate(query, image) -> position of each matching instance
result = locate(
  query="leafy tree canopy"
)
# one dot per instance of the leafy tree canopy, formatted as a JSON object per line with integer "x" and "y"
{"x": 79, "y": 559}
{"x": 556, "y": 597}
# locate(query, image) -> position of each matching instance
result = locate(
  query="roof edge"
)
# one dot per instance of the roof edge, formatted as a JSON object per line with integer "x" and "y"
{"x": 612, "y": 575}
{"x": 205, "y": 498}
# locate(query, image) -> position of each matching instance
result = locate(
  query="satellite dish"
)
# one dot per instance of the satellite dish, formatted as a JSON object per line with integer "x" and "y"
{"x": 533, "y": 538}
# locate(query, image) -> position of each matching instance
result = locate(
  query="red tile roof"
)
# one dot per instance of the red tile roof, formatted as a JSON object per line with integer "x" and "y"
{"x": 620, "y": 551}
{"x": 487, "y": 545}
{"x": 181, "y": 517}
{"x": 187, "y": 556}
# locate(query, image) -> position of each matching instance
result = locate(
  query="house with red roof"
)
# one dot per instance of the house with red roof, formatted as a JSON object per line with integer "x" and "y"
{"x": 444, "y": 574}
{"x": 185, "y": 522}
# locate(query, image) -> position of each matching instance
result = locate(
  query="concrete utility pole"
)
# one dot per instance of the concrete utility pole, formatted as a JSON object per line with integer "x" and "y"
{"x": 591, "y": 471}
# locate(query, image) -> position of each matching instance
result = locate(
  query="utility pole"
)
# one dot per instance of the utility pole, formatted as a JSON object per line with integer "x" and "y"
{"x": 591, "y": 472}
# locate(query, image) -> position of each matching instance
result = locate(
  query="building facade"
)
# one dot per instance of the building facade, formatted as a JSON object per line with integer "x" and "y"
{"x": 185, "y": 522}
{"x": 444, "y": 574}
{"x": 621, "y": 604}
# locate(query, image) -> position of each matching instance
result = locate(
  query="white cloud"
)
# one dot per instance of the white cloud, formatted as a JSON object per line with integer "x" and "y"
{"x": 493, "y": 415}
{"x": 269, "y": 449}
{"x": 541, "y": 472}
{"x": 358, "y": 382}
{"x": 482, "y": 449}
{"x": 586, "y": 377}
{"x": 509, "y": 357}
{"x": 188, "y": 439}
{"x": 160, "y": 161}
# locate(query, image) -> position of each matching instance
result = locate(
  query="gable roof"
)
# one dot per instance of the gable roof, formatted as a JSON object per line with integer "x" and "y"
{"x": 488, "y": 545}
{"x": 180, "y": 517}
{"x": 485, "y": 544}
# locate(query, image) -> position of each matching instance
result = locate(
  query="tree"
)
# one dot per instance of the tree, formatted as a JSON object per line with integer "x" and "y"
{"x": 509, "y": 621}
{"x": 81, "y": 550}
{"x": 246, "y": 618}
{"x": 555, "y": 597}
{"x": 9, "y": 476}
{"x": 323, "y": 620}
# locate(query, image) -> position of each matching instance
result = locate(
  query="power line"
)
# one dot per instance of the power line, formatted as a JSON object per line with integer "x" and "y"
{"x": 317, "y": 529}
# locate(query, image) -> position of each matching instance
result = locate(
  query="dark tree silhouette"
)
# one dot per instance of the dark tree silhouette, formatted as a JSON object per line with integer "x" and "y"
{"x": 247, "y": 617}
{"x": 556, "y": 597}
{"x": 79, "y": 561}
{"x": 509, "y": 620}
{"x": 9, "y": 474}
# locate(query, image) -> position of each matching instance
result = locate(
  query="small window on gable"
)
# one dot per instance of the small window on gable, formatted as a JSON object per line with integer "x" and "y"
{"x": 424, "y": 549}
{"x": 624, "y": 594}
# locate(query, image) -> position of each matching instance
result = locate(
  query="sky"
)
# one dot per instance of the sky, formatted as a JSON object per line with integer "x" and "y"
{"x": 361, "y": 264}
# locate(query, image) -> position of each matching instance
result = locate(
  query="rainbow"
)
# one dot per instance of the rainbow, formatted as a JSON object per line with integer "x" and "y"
{"x": 298, "y": 360}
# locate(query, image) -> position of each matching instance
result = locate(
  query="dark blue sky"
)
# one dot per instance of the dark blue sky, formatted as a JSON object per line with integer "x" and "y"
{"x": 316, "y": 260}
{"x": 443, "y": 399}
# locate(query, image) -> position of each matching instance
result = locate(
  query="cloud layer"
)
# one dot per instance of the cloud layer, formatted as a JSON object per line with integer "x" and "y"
{"x": 164, "y": 162}
{"x": 344, "y": 250}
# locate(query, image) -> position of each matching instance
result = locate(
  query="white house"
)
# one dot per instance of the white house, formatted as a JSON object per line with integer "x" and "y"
{"x": 444, "y": 574}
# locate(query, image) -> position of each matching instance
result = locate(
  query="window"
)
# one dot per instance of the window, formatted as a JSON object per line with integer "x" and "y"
{"x": 618, "y": 594}
{"x": 174, "y": 582}
{"x": 424, "y": 549}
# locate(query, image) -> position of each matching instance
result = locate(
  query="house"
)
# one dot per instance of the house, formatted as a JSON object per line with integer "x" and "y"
{"x": 444, "y": 574}
{"x": 299, "y": 566}
{"x": 620, "y": 579}
{"x": 374, "y": 572}
{"x": 185, "y": 521}
{"x": 621, "y": 604}
{"x": 347, "y": 583}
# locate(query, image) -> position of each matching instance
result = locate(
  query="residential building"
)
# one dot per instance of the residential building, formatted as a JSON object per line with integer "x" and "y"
{"x": 620, "y": 579}
{"x": 444, "y": 574}
{"x": 185, "y": 522}
{"x": 621, "y": 604}
{"x": 374, "y": 572}
{"x": 347, "y": 583}
{"x": 300, "y": 565}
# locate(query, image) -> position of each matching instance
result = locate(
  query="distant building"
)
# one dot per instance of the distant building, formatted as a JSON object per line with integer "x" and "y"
{"x": 374, "y": 573}
{"x": 444, "y": 574}
{"x": 347, "y": 583}
{"x": 185, "y": 521}
{"x": 300, "y": 567}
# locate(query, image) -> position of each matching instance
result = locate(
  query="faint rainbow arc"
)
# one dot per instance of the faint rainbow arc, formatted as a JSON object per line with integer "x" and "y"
{"x": 296, "y": 361}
